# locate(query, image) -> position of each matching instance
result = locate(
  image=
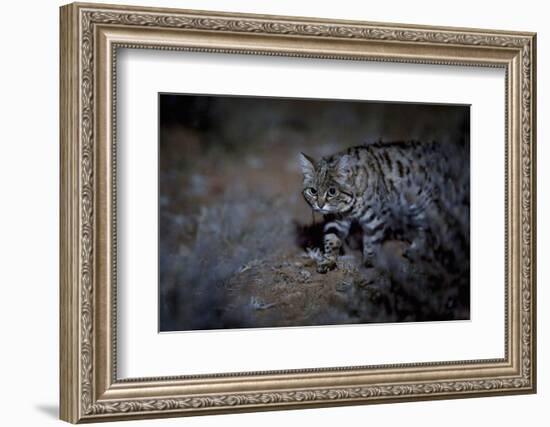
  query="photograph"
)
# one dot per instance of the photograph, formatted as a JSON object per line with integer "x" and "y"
{"x": 287, "y": 212}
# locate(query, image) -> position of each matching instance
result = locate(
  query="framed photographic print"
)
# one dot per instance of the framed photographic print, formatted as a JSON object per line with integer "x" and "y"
{"x": 265, "y": 212}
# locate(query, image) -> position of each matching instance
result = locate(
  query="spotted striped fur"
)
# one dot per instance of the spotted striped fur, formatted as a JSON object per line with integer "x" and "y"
{"x": 380, "y": 186}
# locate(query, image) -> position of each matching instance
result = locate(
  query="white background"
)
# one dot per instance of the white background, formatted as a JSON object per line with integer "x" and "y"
{"x": 29, "y": 174}
{"x": 145, "y": 353}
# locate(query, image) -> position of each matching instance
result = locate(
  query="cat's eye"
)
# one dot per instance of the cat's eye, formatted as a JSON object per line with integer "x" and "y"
{"x": 311, "y": 191}
{"x": 331, "y": 191}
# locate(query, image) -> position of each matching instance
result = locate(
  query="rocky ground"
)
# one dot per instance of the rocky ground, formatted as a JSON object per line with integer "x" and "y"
{"x": 289, "y": 291}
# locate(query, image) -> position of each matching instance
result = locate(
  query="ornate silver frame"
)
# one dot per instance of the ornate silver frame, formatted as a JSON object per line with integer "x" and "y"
{"x": 90, "y": 36}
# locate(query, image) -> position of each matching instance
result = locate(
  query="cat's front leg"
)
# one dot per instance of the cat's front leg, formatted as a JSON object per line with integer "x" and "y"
{"x": 332, "y": 245}
{"x": 334, "y": 234}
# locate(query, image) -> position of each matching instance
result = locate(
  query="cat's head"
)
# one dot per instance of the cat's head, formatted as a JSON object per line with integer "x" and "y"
{"x": 326, "y": 184}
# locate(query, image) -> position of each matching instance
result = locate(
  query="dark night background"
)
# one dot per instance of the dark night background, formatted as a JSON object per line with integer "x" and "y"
{"x": 234, "y": 226}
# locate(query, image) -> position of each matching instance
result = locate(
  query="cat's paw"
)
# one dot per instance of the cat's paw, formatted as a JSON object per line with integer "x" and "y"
{"x": 326, "y": 265}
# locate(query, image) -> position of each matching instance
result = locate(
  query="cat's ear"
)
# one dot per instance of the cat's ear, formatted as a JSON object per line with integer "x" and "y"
{"x": 308, "y": 166}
